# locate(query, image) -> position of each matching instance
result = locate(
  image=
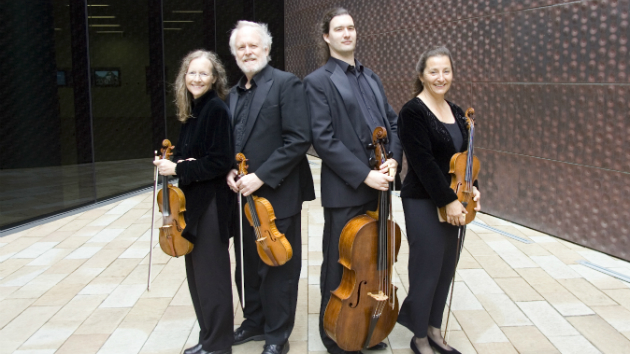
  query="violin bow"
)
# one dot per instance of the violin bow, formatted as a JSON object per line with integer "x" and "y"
{"x": 155, "y": 179}
{"x": 240, "y": 223}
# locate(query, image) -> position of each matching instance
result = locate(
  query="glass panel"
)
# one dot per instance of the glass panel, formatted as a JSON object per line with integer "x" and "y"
{"x": 121, "y": 104}
{"x": 39, "y": 173}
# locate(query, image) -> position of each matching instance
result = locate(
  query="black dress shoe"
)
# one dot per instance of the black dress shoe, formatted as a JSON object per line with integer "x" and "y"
{"x": 440, "y": 349}
{"x": 379, "y": 346}
{"x": 222, "y": 351}
{"x": 414, "y": 349}
{"x": 276, "y": 348}
{"x": 244, "y": 335}
{"x": 193, "y": 350}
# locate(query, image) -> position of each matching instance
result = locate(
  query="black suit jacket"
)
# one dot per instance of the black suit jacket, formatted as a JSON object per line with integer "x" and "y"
{"x": 341, "y": 136}
{"x": 275, "y": 140}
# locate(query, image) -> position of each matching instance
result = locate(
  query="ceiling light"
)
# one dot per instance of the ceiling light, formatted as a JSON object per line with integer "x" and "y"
{"x": 104, "y": 25}
{"x": 101, "y": 16}
{"x": 119, "y": 32}
{"x": 187, "y": 11}
{"x": 57, "y": 29}
{"x": 182, "y": 21}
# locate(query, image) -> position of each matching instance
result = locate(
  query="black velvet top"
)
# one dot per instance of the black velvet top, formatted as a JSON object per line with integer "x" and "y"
{"x": 206, "y": 137}
{"x": 428, "y": 147}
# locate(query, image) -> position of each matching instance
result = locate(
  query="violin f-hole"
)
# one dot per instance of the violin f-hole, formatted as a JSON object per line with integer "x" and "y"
{"x": 356, "y": 302}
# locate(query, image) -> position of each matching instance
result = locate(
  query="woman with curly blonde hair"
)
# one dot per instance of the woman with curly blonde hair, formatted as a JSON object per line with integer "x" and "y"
{"x": 203, "y": 156}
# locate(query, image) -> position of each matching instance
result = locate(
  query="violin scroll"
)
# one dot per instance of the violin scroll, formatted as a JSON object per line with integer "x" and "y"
{"x": 167, "y": 149}
{"x": 242, "y": 164}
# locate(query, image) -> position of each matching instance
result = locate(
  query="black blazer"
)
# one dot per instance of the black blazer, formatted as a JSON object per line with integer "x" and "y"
{"x": 341, "y": 136}
{"x": 429, "y": 148}
{"x": 206, "y": 137}
{"x": 275, "y": 140}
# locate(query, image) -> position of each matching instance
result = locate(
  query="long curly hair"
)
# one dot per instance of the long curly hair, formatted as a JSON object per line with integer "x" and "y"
{"x": 422, "y": 64}
{"x": 183, "y": 98}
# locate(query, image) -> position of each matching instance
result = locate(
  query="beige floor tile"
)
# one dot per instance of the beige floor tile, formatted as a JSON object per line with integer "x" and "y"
{"x": 464, "y": 299}
{"x": 50, "y": 257}
{"x": 459, "y": 341}
{"x": 88, "y": 231}
{"x": 495, "y": 348}
{"x": 104, "y": 258}
{"x": 573, "y": 344}
{"x": 83, "y": 343}
{"x": 466, "y": 261}
{"x": 78, "y": 309}
{"x": 563, "y": 300}
{"x": 479, "y": 327}
{"x": 65, "y": 266}
{"x": 314, "y": 341}
{"x": 496, "y": 267}
{"x": 125, "y": 296}
{"x": 171, "y": 332}
{"x": 479, "y": 281}
{"x": 621, "y": 296}
{"x": 555, "y": 267}
{"x": 548, "y": 321}
{"x": 49, "y": 336}
{"x": 125, "y": 341}
{"x": 503, "y": 310}
{"x": 598, "y": 279}
{"x": 83, "y": 275}
{"x": 38, "y": 286}
{"x": 74, "y": 225}
{"x": 148, "y": 310}
{"x": 23, "y": 276}
{"x": 19, "y": 244}
{"x": 73, "y": 242}
{"x": 400, "y": 337}
{"x": 616, "y": 316}
{"x": 586, "y": 292}
{"x": 601, "y": 334}
{"x": 530, "y": 249}
{"x": 512, "y": 255}
{"x": 562, "y": 252}
{"x": 9, "y": 266}
{"x": 22, "y": 327}
{"x": 59, "y": 295}
{"x": 314, "y": 299}
{"x": 11, "y": 308}
{"x": 35, "y": 250}
{"x": 535, "y": 276}
{"x": 529, "y": 340}
{"x": 103, "y": 321}
{"x": 478, "y": 248}
{"x": 518, "y": 289}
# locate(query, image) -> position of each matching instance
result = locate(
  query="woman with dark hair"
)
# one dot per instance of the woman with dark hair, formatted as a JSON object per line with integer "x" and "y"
{"x": 431, "y": 130}
{"x": 204, "y": 155}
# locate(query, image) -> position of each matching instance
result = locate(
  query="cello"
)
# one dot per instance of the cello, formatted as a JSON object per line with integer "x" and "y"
{"x": 273, "y": 247}
{"x": 363, "y": 310}
{"x": 464, "y": 169}
{"x": 172, "y": 204}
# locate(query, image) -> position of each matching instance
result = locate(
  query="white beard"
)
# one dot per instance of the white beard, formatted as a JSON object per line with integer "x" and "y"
{"x": 261, "y": 63}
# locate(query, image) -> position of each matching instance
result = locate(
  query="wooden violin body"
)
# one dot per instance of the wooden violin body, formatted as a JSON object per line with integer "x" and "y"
{"x": 464, "y": 169}
{"x": 172, "y": 208}
{"x": 363, "y": 310}
{"x": 273, "y": 247}
{"x": 347, "y": 316}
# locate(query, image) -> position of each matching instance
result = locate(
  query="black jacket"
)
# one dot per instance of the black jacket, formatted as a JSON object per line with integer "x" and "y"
{"x": 275, "y": 140}
{"x": 206, "y": 137}
{"x": 341, "y": 136}
{"x": 429, "y": 148}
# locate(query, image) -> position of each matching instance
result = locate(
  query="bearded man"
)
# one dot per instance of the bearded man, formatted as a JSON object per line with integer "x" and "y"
{"x": 272, "y": 129}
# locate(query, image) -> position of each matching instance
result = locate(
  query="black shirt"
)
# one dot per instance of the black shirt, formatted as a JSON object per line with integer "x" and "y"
{"x": 363, "y": 93}
{"x": 245, "y": 97}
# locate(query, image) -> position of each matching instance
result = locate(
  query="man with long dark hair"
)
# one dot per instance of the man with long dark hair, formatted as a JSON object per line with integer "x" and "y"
{"x": 347, "y": 102}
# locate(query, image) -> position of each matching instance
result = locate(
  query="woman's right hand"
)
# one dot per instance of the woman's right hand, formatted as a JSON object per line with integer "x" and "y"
{"x": 456, "y": 213}
{"x": 231, "y": 180}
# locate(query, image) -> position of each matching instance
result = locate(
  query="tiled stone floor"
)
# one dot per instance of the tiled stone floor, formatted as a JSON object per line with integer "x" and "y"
{"x": 78, "y": 285}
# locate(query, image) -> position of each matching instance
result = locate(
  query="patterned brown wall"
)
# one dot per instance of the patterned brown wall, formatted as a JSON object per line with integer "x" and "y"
{"x": 550, "y": 83}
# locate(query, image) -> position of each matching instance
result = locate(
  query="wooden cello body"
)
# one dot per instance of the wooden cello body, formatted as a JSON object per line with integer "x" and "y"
{"x": 273, "y": 247}
{"x": 464, "y": 169}
{"x": 363, "y": 310}
{"x": 172, "y": 208}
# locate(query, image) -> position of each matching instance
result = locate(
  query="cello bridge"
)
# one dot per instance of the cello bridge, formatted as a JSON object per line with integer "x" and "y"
{"x": 379, "y": 296}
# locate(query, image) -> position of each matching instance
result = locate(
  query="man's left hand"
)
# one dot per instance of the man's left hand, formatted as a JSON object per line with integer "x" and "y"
{"x": 390, "y": 163}
{"x": 248, "y": 184}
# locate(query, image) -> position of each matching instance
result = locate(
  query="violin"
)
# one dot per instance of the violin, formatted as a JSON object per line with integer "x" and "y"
{"x": 273, "y": 247}
{"x": 464, "y": 168}
{"x": 172, "y": 204}
{"x": 363, "y": 310}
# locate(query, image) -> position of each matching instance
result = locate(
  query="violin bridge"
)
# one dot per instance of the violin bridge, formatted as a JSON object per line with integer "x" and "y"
{"x": 380, "y": 296}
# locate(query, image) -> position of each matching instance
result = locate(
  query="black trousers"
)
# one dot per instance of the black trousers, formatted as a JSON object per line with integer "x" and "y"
{"x": 432, "y": 256}
{"x": 210, "y": 283}
{"x": 270, "y": 292}
{"x": 334, "y": 221}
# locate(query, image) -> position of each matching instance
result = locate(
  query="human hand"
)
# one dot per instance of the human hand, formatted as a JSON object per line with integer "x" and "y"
{"x": 476, "y": 197}
{"x": 456, "y": 213}
{"x": 248, "y": 184}
{"x": 231, "y": 180}
{"x": 390, "y": 164}
{"x": 165, "y": 167}
{"x": 377, "y": 180}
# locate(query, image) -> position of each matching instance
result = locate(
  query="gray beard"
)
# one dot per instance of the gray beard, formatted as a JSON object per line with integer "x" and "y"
{"x": 255, "y": 70}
